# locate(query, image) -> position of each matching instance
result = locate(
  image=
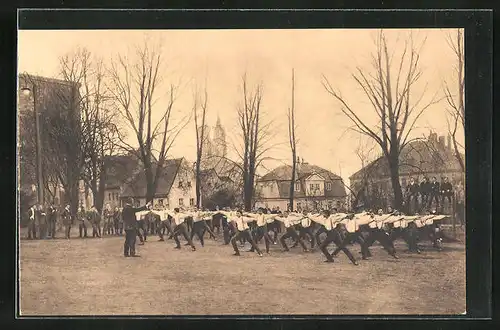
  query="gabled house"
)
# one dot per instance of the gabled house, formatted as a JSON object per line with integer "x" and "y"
{"x": 315, "y": 188}
{"x": 430, "y": 157}
{"x": 176, "y": 185}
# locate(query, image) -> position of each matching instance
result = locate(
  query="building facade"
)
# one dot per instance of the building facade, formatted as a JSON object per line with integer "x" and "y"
{"x": 315, "y": 189}
{"x": 56, "y": 104}
{"x": 176, "y": 186}
{"x": 432, "y": 157}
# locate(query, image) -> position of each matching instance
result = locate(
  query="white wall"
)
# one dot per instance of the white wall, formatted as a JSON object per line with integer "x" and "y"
{"x": 185, "y": 193}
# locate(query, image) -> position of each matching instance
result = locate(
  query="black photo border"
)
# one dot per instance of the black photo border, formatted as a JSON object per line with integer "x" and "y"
{"x": 478, "y": 26}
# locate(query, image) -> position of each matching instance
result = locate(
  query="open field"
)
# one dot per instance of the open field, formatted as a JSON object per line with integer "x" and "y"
{"x": 91, "y": 277}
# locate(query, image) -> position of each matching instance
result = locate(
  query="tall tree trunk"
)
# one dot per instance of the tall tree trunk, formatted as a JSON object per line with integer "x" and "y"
{"x": 393, "y": 161}
{"x": 198, "y": 182}
{"x": 292, "y": 184}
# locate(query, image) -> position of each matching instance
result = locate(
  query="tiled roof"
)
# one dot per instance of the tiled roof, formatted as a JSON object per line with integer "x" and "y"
{"x": 283, "y": 175}
{"x": 418, "y": 157}
{"x": 137, "y": 186}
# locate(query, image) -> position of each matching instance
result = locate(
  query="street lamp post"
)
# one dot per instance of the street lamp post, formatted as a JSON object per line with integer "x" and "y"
{"x": 39, "y": 178}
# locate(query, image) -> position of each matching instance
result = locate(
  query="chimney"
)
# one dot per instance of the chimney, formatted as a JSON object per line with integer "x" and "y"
{"x": 441, "y": 142}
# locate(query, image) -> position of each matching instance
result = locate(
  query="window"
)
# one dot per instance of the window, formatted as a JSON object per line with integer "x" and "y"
{"x": 191, "y": 202}
{"x": 328, "y": 186}
{"x": 299, "y": 206}
{"x": 180, "y": 184}
{"x": 311, "y": 186}
{"x": 181, "y": 201}
{"x": 297, "y": 186}
{"x": 271, "y": 188}
{"x": 316, "y": 186}
{"x": 109, "y": 196}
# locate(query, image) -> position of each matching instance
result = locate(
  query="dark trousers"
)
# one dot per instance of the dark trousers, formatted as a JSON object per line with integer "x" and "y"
{"x": 412, "y": 203}
{"x": 32, "y": 229}
{"x": 356, "y": 238}
{"x": 334, "y": 236}
{"x": 425, "y": 199}
{"x": 382, "y": 237}
{"x": 434, "y": 197}
{"x": 141, "y": 231}
{"x": 291, "y": 233}
{"x": 244, "y": 234}
{"x": 228, "y": 232}
{"x": 199, "y": 228}
{"x": 52, "y": 228}
{"x": 116, "y": 225}
{"x": 163, "y": 226}
{"x": 320, "y": 231}
{"x": 262, "y": 232}
{"x": 129, "y": 246}
{"x": 448, "y": 197}
{"x": 96, "y": 230}
{"x": 409, "y": 235}
{"x": 181, "y": 229}
{"x": 82, "y": 229}
{"x": 303, "y": 233}
{"x": 67, "y": 230}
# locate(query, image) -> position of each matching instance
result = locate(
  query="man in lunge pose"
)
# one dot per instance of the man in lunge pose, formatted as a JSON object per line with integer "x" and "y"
{"x": 289, "y": 220}
{"x": 305, "y": 228}
{"x": 377, "y": 232}
{"x": 333, "y": 234}
{"x": 200, "y": 226}
{"x": 180, "y": 228}
{"x": 353, "y": 225}
{"x": 130, "y": 223}
{"x": 262, "y": 230}
{"x": 242, "y": 231}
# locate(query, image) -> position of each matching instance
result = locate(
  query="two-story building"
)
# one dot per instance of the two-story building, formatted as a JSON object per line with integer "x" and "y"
{"x": 431, "y": 157}
{"x": 176, "y": 186}
{"x": 315, "y": 188}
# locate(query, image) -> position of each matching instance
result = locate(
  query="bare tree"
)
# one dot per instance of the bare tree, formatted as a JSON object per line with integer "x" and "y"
{"x": 393, "y": 102}
{"x": 456, "y": 107}
{"x": 255, "y": 134}
{"x": 134, "y": 87}
{"x": 99, "y": 133}
{"x": 199, "y": 112}
{"x": 292, "y": 139}
{"x": 62, "y": 134}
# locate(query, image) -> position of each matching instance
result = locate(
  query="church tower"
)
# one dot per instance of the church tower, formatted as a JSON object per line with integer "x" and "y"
{"x": 219, "y": 139}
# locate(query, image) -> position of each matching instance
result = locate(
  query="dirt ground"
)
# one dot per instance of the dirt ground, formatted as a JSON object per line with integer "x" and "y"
{"x": 91, "y": 277}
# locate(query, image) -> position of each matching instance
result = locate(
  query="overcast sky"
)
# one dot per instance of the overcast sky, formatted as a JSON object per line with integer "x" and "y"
{"x": 222, "y": 56}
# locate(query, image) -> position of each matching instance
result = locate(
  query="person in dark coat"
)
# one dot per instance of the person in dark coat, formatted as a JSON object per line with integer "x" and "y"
{"x": 94, "y": 218}
{"x": 446, "y": 191}
{"x": 412, "y": 191}
{"x": 130, "y": 224}
{"x": 51, "y": 221}
{"x": 425, "y": 191}
{"x": 434, "y": 192}
{"x": 67, "y": 221}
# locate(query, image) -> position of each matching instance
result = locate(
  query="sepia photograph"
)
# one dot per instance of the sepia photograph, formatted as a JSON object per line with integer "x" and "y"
{"x": 241, "y": 172}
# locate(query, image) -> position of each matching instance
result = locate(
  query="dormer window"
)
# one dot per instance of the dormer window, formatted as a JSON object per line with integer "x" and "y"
{"x": 328, "y": 186}
{"x": 297, "y": 186}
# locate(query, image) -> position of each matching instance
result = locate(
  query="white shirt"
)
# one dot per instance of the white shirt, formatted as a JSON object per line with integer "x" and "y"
{"x": 141, "y": 214}
{"x": 317, "y": 218}
{"x": 262, "y": 219}
{"x": 178, "y": 217}
{"x": 291, "y": 220}
{"x": 241, "y": 222}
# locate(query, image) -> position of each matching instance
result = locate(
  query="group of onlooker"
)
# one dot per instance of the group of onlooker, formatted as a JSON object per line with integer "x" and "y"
{"x": 44, "y": 222}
